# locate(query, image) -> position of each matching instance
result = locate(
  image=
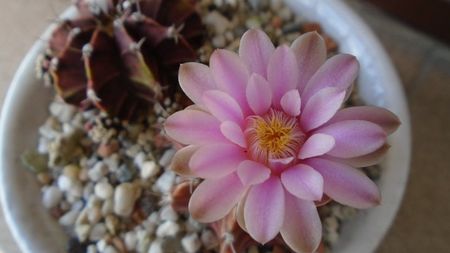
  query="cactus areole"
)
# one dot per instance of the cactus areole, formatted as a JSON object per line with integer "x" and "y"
{"x": 121, "y": 56}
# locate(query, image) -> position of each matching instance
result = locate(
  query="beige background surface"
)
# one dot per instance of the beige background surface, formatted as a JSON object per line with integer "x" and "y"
{"x": 423, "y": 223}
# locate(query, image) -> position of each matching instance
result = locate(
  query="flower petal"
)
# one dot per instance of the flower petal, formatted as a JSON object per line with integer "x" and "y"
{"x": 303, "y": 182}
{"x": 216, "y": 160}
{"x": 214, "y": 198}
{"x": 339, "y": 72}
{"x": 264, "y": 210}
{"x": 259, "y": 94}
{"x": 378, "y": 115}
{"x": 291, "y": 103}
{"x": 345, "y": 184}
{"x": 180, "y": 161}
{"x": 366, "y": 160}
{"x": 282, "y": 72}
{"x": 222, "y": 106}
{"x": 316, "y": 145}
{"x": 193, "y": 127}
{"x": 240, "y": 212}
{"x": 195, "y": 78}
{"x": 255, "y": 50}
{"x": 251, "y": 172}
{"x": 354, "y": 137}
{"x": 231, "y": 75}
{"x": 302, "y": 229}
{"x": 311, "y": 53}
{"x": 321, "y": 107}
{"x": 233, "y": 133}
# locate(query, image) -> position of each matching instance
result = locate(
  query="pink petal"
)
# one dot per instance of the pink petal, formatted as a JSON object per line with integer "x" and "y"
{"x": 233, "y": 133}
{"x": 321, "y": 107}
{"x": 240, "y": 213}
{"x": 193, "y": 127}
{"x": 259, "y": 94}
{"x": 231, "y": 75}
{"x": 291, "y": 103}
{"x": 302, "y": 229}
{"x": 264, "y": 210}
{"x": 214, "y": 198}
{"x": 303, "y": 182}
{"x": 195, "y": 78}
{"x": 255, "y": 50}
{"x": 339, "y": 72}
{"x": 180, "y": 161}
{"x": 311, "y": 53}
{"x": 316, "y": 145}
{"x": 216, "y": 160}
{"x": 345, "y": 184}
{"x": 251, "y": 172}
{"x": 367, "y": 160}
{"x": 222, "y": 106}
{"x": 282, "y": 72}
{"x": 354, "y": 137}
{"x": 380, "y": 116}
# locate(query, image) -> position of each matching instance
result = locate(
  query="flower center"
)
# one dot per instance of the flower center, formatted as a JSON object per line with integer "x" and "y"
{"x": 274, "y": 135}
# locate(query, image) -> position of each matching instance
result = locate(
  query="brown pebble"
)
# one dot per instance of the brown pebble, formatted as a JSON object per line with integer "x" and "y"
{"x": 107, "y": 149}
{"x": 330, "y": 44}
{"x": 277, "y": 22}
{"x": 119, "y": 245}
{"x": 311, "y": 27}
{"x": 181, "y": 195}
{"x": 56, "y": 212}
{"x": 44, "y": 178}
{"x": 83, "y": 175}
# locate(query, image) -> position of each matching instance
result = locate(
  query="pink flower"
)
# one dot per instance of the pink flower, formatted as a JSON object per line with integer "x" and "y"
{"x": 268, "y": 136}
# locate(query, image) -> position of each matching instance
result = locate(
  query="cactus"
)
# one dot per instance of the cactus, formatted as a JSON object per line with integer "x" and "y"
{"x": 122, "y": 56}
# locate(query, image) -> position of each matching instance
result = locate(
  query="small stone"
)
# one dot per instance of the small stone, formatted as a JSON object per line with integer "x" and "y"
{"x": 219, "y": 41}
{"x": 332, "y": 237}
{"x": 82, "y": 231}
{"x": 110, "y": 249}
{"x": 216, "y": 20}
{"x": 91, "y": 249}
{"x": 165, "y": 182}
{"x": 191, "y": 243}
{"x": 106, "y": 149}
{"x": 75, "y": 246}
{"x": 119, "y": 244}
{"x": 209, "y": 239}
{"x": 98, "y": 231}
{"x": 71, "y": 171}
{"x": 167, "y": 213}
{"x": 331, "y": 223}
{"x": 125, "y": 196}
{"x": 253, "y": 23}
{"x": 143, "y": 241}
{"x": 83, "y": 175}
{"x": 101, "y": 245}
{"x": 149, "y": 169}
{"x": 253, "y": 249}
{"x": 139, "y": 159}
{"x": 103, "y": 190}
{"x": 193, "y": 225}
{"x": 125, "y": 173}
{"x": 156, "y": 247}
{"x": 168, "y": 228}
{"x": 69, "y": 218}
{"x": 52, "y": 196}
{"x": 166, "y": 158}
{"x": 107, "y": 207}
{"x": 44, "y": 178}
{"x": 64, "y": 183}
{"x": 130, "y": 240}
{"x": 112, "y": 222}
{"x": 97, "y": 172}
{"x": 94, "y": 214}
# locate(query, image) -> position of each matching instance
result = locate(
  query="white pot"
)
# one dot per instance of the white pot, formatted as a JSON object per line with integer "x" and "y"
{"x": 25, "y": 109}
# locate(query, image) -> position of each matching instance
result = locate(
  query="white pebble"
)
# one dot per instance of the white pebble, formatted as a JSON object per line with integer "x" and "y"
{"x": 52, "y": 196}
{"x": 103, "y": 190}
{"x": 191, "y": 243}
{"x": 193, "y": 225}
{"x": 166, "y": 158}
{"x": 97, "y": 232}
{"x": 139, "y": 159}
{"x": 130, "y": 240}
{"x": 219, "y": 23}
{"x": 143, "y": 241}
{"x": 209, "y": 239}
{"x": 101, "y": 245}
{"x": 167, "y": 228}
{"x": 97, "y": 172}
{"x": 156, "y": 247}
{"x": 165, "y": 182}
{"x": 110, "y": 249}
{"x": 94, "y": 214}
{"x": 64, "y": 183}
{"x": 91, "y": 249}
{"x": 149, "y": 169}
{"x": 82, "y": 231}
{"x": 124, "y": 197}
{"x": 69, "y": 218}
{"x": 219, "y": 41}
{"x": 167, "y": 213}
{"x": 107, "y": 207}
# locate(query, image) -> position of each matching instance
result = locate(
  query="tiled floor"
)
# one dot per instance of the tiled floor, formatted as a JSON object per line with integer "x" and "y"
{"x": 423, "y": 222}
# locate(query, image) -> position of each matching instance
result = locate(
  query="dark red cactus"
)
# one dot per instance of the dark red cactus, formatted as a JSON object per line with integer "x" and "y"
{"x": 122, "y": 55}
